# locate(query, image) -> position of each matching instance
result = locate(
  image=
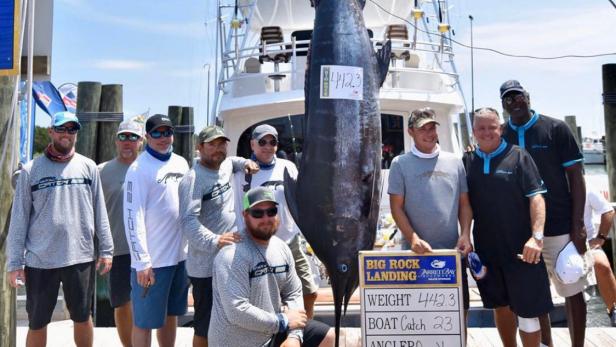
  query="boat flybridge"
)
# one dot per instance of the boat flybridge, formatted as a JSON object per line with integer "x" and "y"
{"x": 263, "y": 46}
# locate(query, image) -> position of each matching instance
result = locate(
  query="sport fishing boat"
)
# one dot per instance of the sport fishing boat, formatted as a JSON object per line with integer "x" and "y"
{"x": 263, "y": 47}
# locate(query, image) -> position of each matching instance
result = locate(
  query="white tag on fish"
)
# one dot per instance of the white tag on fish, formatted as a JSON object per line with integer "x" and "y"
{"x": 341, "y": 82}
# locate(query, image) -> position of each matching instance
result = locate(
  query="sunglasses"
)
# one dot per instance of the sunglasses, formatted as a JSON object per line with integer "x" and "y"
{"x": 128, "y": 137}
{"x": 258, "y": 213}
{"x": 264, "y": 142}
{"x": 63, "y": 129}
{"x": 157, "y": 134}
{"x": 518, "y": 98}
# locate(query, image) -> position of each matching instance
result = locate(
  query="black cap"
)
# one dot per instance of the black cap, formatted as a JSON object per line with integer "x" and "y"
{"x": 157, "y": 121}
{"x": 511, "y": 86}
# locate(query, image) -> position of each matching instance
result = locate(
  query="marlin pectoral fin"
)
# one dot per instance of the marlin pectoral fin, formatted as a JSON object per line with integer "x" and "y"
{"x": 383, "y": 56}
{"x": 290, "y": 195}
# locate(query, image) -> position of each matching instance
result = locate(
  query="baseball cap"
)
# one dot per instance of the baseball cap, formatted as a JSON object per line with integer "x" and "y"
{"x": 570, "y": 265}
{"x": 157, "y": 121}
{"x": 130, "y": 126}
{"x": 262, "y": 130}
{"x": 61, "y": 118}
{"x": 211, "y": 133}
{"x": 511, "y": 86}
{"x": 422, "y": 117}
{"x": 258, "y": 195}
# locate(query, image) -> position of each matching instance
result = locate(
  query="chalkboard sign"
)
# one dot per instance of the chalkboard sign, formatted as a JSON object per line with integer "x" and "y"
{"x": 341, "y": 82}
{"x": 411, "y": 300}
{"x": 9, "y": 37}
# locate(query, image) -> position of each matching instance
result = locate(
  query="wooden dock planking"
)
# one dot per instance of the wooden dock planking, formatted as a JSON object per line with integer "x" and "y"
{"x": 60, "y": 335}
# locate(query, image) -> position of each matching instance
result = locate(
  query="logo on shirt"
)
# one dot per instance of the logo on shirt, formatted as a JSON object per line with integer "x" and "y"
{"x": 53, "y": 182}
{"x": 503, "y": 172}
{"x": 262, "y": 269}
{"x": 174, "y": 176}
{"x": 539, "y": 147}
{"x": 217, "y": 191}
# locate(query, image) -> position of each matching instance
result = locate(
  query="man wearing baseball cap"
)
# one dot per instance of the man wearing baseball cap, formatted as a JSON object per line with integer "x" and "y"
{"x": 559, "y": 160}
{"x": 428, "y": 194}
{"x": 207, "y": 218}
{"x": 264, "y": 145}
{"x": 128, "y": 142}
{"x": 58, "y": 209}
{"x": 158, "y": 251}
{"x": 257, "y": 294}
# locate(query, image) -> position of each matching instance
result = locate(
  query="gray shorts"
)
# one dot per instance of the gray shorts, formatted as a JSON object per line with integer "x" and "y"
{"x": 302, "y": 267}
{"x": 552, "y": 245}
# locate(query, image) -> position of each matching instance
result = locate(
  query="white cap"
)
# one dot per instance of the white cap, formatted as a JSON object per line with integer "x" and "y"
{"x": 571, "y": 266}
{"x": 130, "y": 126}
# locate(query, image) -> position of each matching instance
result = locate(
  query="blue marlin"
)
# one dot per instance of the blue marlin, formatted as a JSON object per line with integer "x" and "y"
{"x": 335, "y": 200}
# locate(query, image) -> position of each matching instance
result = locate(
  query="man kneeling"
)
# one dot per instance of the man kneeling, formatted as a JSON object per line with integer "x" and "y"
{"x": 257, "y": 294}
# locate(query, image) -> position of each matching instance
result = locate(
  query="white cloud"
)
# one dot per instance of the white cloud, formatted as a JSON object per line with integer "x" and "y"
{"x": 120, "y": 64}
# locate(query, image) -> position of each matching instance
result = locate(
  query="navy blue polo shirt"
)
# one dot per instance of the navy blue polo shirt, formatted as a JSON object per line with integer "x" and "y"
{"x": 499, "y": 186}
{"x": 553, "y": 148}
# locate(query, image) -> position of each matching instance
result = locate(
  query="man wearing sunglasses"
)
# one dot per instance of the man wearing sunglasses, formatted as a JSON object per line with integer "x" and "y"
{"x": 264, "y": 145}
{"x": 57, "y": 210}
{"x": 128, "y": 145}
{"x": 559, "y": 160}
{"x": 257, "y": 294}
{"x": 207, "y": 217}
{"x": 159, "y": 285}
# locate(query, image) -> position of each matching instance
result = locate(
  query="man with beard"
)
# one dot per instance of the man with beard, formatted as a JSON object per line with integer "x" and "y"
{"x": 128, "y": 145}
{"x": 208, "y": 218}
{"x": 559, "y": 160}
{"x": 264, "y": 145}
{"x": 505, "y": 191}
{"x": 159, "y": 285}
{"x": 57, "y": 210}
{"x": 257, "y": 294}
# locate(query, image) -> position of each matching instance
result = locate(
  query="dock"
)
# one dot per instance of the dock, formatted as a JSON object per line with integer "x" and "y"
{"x": 60, "y": 334}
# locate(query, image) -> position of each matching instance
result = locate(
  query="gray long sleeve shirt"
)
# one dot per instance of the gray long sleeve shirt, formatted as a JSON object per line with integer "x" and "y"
{"x": 206, "y": 211}
{"x": 251, "y": 283}
{"x": 57, "y": 210}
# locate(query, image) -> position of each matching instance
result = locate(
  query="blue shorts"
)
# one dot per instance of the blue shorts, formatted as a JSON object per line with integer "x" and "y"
{"x": 167, "y": 297}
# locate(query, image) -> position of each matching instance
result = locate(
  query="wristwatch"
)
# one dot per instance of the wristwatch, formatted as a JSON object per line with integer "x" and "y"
{"x": 601, "y": 236}
{"x": 538, "y": 235}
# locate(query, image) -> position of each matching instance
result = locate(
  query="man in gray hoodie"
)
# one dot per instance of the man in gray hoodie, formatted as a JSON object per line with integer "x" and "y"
{"x": 257, "y": 294}
{"x": 207, "y": 218}
{"x": 57, "y": 210}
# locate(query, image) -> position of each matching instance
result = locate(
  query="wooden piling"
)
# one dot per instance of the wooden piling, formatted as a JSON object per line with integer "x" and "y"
{"x": 188, "y": 138}
{"x": 111, "y": 101}
{"x": 175, "y": 114}
{"x": 609, "y": 107}
{"x": 88, "y": 103}
{"x": 9, "y": 157}
{"x": 572, "y": 124}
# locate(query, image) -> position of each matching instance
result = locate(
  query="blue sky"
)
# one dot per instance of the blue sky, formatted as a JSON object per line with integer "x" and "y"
{"x": 158, "y": 49}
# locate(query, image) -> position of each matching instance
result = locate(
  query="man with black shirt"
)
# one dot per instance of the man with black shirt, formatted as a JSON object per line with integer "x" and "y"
{"x": 559, "y": 160}
{"x": 508, "y": 231}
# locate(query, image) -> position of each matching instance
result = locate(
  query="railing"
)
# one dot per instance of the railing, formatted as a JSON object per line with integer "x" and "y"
{"x": 231, "y": 58}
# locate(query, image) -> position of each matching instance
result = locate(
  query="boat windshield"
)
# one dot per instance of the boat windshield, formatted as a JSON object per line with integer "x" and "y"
{"x": 291, "y": 139}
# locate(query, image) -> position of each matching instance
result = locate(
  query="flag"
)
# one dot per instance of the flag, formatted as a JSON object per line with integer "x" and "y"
{"x": 68, "y": 91}
{"x": 47, "y": 97}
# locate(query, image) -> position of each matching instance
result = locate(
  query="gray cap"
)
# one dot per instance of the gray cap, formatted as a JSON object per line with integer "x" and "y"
{"x": 263, "y": 130}
{"x": 130, "y": 126}
{"x": 211, "y": 133}
{"x": 422, "y": 117}
{"x": 511, "y": 86}
{"x": 258, "y": 195}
